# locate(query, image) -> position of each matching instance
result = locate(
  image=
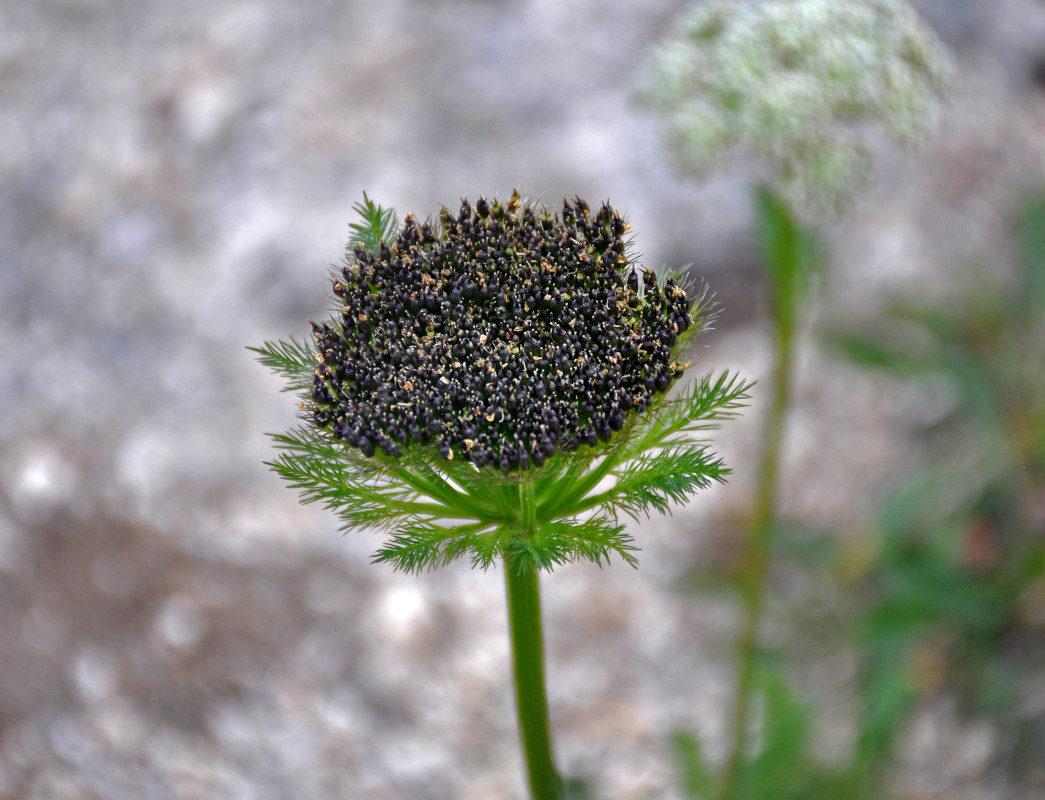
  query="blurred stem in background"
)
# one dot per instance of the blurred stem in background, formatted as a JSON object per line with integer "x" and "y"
{"x": 527, "y": 644}
{"x": 796, "y": 86}
{"x": 789, "y": 256}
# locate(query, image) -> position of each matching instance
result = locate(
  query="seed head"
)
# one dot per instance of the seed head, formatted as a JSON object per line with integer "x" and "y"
{"x": 500, "y": 334}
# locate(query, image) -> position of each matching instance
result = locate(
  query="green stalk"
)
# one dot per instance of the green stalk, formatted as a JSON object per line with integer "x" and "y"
{"x": 531, "y": 700}
{"x": 755, "y": 560}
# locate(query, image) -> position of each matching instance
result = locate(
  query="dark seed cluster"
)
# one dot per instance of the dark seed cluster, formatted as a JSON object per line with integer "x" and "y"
{"x": 501, "y": 334}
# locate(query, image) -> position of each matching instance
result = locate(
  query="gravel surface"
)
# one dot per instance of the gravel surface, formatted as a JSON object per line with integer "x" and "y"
{"x": 175, "y": 178}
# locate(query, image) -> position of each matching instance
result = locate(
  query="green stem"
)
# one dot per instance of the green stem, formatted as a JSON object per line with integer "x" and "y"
{"x": 755, "y": 560}
{"x": 531, "y": 700}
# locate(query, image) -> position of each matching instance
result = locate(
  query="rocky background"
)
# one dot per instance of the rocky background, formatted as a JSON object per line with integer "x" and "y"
{"x": 175, "y": 178}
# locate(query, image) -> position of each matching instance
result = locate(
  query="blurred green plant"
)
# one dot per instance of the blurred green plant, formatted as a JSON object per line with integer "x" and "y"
{"x": 783, "y": 766}
{"x": 955, "y": 598}
{"x": 798, "y": 84}
{"x": 789, "y": 253}
{"x": 770, "y": 755}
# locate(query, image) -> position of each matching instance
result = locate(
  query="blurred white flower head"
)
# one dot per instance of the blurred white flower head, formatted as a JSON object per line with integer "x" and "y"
{"x": 800, "y": 85}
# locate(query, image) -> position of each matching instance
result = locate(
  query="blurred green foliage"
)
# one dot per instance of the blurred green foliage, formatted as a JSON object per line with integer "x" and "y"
{"x": 772, "y": 755}
{"x": 791, "y": 256}
{"x": 951, "y": 598}
{"x": 955, "y": 599}
{"x": 783, "y": 765}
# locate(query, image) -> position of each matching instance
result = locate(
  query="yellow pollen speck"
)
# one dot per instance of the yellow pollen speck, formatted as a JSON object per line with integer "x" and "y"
{"x": 319, "y": 357}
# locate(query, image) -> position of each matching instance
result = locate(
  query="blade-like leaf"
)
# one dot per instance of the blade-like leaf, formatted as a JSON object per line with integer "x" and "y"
{"x": 697, "y": 780}
{"x": 1032, "y": 235}
{"x": 871, "y": 351}
{"x": 790, "y": 253}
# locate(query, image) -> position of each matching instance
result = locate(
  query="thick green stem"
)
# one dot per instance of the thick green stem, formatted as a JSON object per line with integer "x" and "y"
{"x": 531, "y": 700}
{"x": 755, "y": 561}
